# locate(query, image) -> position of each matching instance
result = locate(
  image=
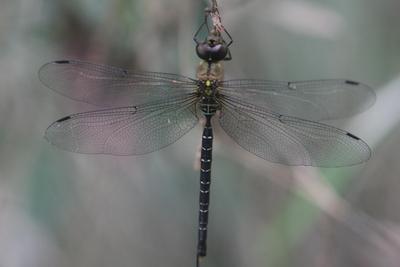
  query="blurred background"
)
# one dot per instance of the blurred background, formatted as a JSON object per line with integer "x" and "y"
{"x": 63, "y": 209}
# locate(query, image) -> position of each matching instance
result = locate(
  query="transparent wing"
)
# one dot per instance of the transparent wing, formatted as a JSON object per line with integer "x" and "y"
{"x": 110, "y": 86}
{"x": 125, "y": 131}
{"x": 289, "y": 140}
{"x": 314, "y": 100}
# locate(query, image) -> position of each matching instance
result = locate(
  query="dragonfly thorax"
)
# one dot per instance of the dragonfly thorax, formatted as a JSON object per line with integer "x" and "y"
{"x": 208, "y": 88}
{"x": 210, "y": 71}
{"x": 207, "y": 92}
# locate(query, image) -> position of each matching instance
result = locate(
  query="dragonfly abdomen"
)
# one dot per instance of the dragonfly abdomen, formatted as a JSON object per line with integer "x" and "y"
{"x": 205, "y": 181}
{"x": 209, "y": 109}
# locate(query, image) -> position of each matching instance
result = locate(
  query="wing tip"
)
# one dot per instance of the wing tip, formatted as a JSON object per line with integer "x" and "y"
{"x": 43, "y": 69}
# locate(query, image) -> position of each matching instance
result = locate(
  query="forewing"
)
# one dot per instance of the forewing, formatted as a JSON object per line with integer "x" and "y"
{"x": 313, "y": 100}
{"x": 124, "y": 131}
{"x": 289, "y": 140}
{"x": 110, "y": 86}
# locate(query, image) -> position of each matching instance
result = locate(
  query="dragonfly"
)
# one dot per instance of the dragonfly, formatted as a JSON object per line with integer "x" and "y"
{"x": 142, "y": 112}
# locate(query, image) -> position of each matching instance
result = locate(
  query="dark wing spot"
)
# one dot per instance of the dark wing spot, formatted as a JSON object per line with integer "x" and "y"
{"x": 292, "y": 86}
{"x": 135, "y": 108}
{"x": 64, "y": 119}
{"x": 280, "y": 118}
{"x": 62, "y": 62}
{"x": 352, "y": 82}
{"x": 353, "y": 136}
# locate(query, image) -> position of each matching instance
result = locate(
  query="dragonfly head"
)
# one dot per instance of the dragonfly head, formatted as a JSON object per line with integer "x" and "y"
{"x": 213, "y": 49}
